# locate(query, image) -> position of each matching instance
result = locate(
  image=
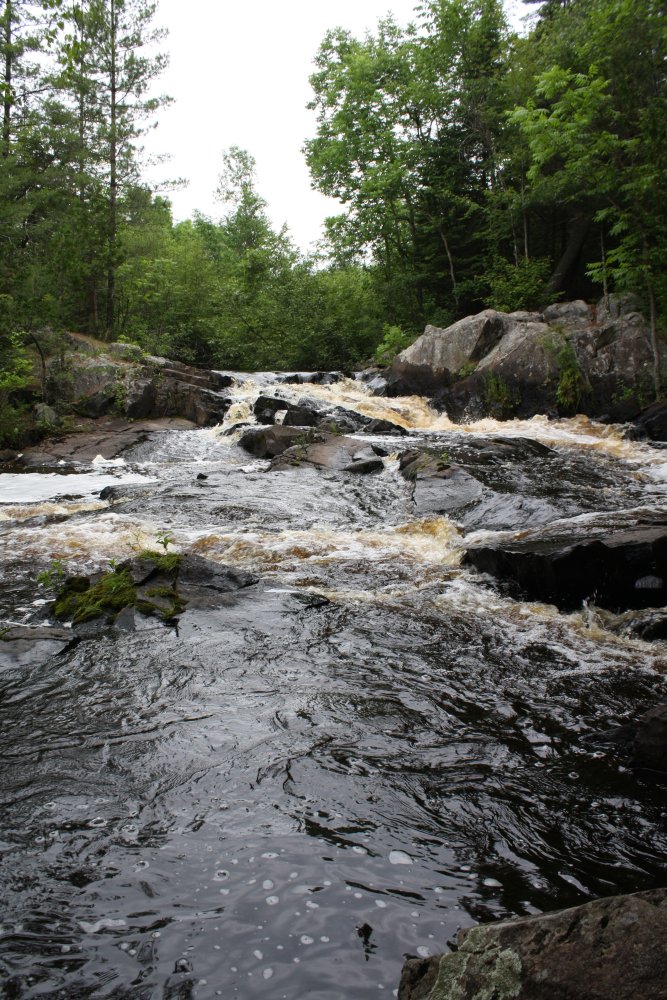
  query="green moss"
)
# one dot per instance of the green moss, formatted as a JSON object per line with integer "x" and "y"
{"x": 167, "y": 604}
{"x": 467, "y": 369}
{"x": 166, "y": 562}
{"x": 78, "y": 601}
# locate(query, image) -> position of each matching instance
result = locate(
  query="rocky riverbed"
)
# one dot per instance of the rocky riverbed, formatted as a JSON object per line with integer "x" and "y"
{"x": 346, "y": 741}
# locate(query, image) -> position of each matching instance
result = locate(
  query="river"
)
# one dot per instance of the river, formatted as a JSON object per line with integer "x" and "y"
{"x": 297, "y": 786}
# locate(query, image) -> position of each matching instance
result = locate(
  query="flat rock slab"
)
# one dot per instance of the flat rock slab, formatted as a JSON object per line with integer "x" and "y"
{"x": 626, "y": 569}
{"x": 610, "y": 948}
{"x": 105, "y": 436}
{"x": 31, "y": 645}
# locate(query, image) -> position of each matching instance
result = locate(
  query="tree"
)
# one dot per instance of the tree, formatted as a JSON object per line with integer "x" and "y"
{"x": 598, "y": 141}
{"x": 106, "y": 75}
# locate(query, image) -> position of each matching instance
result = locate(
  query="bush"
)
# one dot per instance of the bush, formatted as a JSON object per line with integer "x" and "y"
{"x": 394, "y": 340}
{"x": 518, "y": 286}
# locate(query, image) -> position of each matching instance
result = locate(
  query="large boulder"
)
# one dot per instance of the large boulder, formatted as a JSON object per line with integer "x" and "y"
{"x": 572, "y": 358}
{"x": 438, "y": 356}
{"x": 613, "y": 947}
{"x": 625, "y": 569}
{"x": 138, "y": 387}
{"x": 270, "y": 441}
{"x": 267, "y": 408}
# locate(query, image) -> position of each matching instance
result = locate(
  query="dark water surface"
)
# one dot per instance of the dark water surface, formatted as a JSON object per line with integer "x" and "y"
{"x": 336, "y": 767}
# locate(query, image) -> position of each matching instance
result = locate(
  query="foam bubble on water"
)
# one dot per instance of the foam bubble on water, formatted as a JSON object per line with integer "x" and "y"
{"x": 306, "y": 939}
{"x": 267, "y": 973}
{"x": 423, "y": 951}
{"x": 110, "y": 463}
{"x": 267, "y": 884}
{"x": 492, "y": 883}
{"x": 272, "y": 900}
{"x": 399, "y": 858}
{"x": 100, "y": 925}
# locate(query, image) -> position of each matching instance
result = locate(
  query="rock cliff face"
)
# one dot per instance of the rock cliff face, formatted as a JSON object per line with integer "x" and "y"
{"x": 571, "y": 358}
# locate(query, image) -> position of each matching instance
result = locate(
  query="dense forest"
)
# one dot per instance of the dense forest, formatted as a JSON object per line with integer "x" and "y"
{"x": 475, "y": 167}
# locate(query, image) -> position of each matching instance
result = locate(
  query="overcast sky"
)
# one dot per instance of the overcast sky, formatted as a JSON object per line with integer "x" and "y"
{"x": 238, "y": 74}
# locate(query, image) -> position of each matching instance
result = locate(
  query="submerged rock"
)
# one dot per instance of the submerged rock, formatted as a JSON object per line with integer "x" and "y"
{"x": 154, "y": 584}
{"x": 625, "y": 569}
{"x": 495, "y": 484}
{"x": 107, "y": 437}
{"x": 611, "y": 947}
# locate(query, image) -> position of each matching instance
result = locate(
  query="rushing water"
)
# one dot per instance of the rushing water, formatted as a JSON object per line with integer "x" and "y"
{"x": 341, "y": 765}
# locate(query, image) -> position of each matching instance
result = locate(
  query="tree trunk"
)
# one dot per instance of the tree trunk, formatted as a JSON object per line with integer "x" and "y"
{"x": 605, "y": 282}
{"x": 452, "y": 273}
{"x": 655, "y": 346}
{"x": 575, "y": 241}
{"x": 7, "y": 80}
{"x": 113, "y": 173}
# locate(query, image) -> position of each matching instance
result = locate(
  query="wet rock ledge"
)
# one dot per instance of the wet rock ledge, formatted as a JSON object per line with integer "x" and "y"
{"x": 614, "y": 947}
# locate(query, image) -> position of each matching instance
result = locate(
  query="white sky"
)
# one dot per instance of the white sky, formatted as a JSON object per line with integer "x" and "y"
{"x": 239, "y": 75}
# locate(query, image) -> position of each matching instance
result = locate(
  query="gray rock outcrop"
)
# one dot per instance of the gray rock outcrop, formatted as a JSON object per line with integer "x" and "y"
{"x": 572, "y": 358}
{"x": 138, "y": 387}
{"x": 615, "y": 947}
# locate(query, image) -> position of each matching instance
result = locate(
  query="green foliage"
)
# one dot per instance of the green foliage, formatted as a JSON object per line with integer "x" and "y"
{"x": 467, "y": 369}
{"x": 15, "y": 374}
{"x": 79, "y": 602}
{"x": 54, "y": 574}
{"x": 500, "y": 400}
{"x": 571, "y": 382}
{"x": 465, "y": 161}
{"x": 394, "y": 340}
{"x": 164, "y": 538}
{"x": 521, "y": 285}
{"x": 166, "y": 562}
